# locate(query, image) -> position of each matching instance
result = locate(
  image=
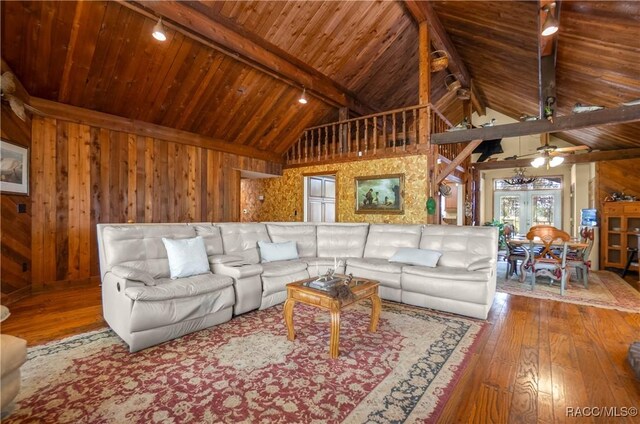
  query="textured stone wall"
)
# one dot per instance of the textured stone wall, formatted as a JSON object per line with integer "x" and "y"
{"x": 284, "y": 196}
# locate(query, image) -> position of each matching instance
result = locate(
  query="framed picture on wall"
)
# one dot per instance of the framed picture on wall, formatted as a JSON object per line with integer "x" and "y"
{"x": 14, "y": 168}
{"x": 380, "y": 194}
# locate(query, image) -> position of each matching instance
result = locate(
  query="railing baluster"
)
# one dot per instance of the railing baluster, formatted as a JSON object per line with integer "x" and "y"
{"x": 404, "y": 130}
{"x": 394, "y": 130}
{"x": 306, "y": 146}
{"x": 366, "y": 136}
{"x": 326, "y": 142}
{"x": 384, "y": 131}
{"x": 349, "y": 138}
{"x": 375, "y": 135}
{"x": 333, "y": 140}
{"x": 415, "y": 129}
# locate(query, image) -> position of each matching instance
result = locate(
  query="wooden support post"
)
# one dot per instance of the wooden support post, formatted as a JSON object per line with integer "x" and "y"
{"x": 425, "y": 124}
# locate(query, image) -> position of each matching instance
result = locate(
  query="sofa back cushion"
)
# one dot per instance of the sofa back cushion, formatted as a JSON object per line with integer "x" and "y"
{"x": 460, "y": 245}
{"x": 241, "y": 239}
{"x": 341, "y": 240}
{"x": 141, "y": 246}
{"x": 303, "y": 235}
{"x": 384, "y": 240}
{"x": 212, "y": 238}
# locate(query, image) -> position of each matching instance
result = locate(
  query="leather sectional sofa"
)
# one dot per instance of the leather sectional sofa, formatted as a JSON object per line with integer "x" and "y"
{"x": 144, "y": 306}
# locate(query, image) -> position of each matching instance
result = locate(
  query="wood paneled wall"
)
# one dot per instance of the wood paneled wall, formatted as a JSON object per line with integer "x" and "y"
{"x": 84, "y": 175}
{"x": 617, "y": 176}
{"x": 15, "y": 228}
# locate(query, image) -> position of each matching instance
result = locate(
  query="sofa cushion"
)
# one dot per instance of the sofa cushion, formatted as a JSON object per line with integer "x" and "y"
{"x": 276, "y": 269}
{"x": 238, "y": 270}
{"x": 14, "y": 353}
{"x": 380, "y": 265}
{"x": 141, "y": 246}
{"x": 187, "y": 257}
{"x": 284, "y": 251}
{"x": 422, "y": 257}
{"x": 384, "y": 240}
{"x": 303, "y": 235}
{"x": 460, "y": 246}
{"x": 167, "y": 288}
{"x": 447, "y": 273}
{"x": 242, "y": 239}
{"x": 212, "y": 238}
{"x": 341, "y": 240}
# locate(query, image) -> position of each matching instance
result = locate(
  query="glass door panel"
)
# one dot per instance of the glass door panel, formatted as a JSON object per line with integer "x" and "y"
{"x": 510, "y": 210}
{"x": 542, "y": 209}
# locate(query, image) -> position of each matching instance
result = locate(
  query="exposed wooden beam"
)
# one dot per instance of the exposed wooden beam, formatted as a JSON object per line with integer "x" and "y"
{"x": 423, "y": 11}
{"x": 230, "y": 39}
{"x": 562, "y": 123}
{"x": 568, "y": 159}
{"x": 547, "y": 52}
{"x": 457, "y": 160}
{"x": 89, "y": 117}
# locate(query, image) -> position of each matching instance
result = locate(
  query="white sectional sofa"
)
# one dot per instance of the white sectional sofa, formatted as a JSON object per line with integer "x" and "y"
{"x": 145, "y": 307}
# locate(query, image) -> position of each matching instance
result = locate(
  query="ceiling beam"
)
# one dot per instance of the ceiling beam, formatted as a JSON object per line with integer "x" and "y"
{"x": 568, "y": 159}
{"x": 423, "y": 11}
{"x": 547, "y": 52}
{"x": 562, "y": 123}
{"x": 226, "y": 37}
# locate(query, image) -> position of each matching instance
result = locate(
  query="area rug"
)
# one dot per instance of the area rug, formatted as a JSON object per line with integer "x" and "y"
{"x": 604, "y": 290}
{"x": 246, "y": 371}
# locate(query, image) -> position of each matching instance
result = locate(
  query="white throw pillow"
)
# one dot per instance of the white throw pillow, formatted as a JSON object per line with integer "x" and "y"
{"x": 270, "y": 252}
{"x": 422, "y": 257}
{"x": 187, "y": 257}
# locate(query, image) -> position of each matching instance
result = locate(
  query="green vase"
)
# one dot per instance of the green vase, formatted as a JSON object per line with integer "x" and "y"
{"x": 431, "y": 206}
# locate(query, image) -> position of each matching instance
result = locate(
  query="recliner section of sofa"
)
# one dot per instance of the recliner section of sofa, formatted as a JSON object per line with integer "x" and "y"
{"x": 463, "y": 282}
{"x": 144, "y": 315}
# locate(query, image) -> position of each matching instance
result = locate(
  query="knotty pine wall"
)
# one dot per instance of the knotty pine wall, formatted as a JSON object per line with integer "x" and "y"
{"x": 617, "y": 176}
{"x": 15, "y": 228}
{"x": 83, "y": 175}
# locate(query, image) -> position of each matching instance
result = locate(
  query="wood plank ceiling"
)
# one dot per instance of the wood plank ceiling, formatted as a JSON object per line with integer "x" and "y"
{"x": 100, "y": 56}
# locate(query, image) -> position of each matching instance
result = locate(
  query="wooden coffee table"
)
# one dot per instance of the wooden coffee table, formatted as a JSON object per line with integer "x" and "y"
{"x": 361, "y": 288}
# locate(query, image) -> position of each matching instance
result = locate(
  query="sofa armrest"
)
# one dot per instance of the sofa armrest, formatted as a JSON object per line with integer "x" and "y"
{"x": 133, "y": 274}
{"x": 223, "y": 259}
{"x": 479, "y": 264}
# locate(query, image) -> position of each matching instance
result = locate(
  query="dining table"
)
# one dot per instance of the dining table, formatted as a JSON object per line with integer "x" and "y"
{"x": 526, "y": 243}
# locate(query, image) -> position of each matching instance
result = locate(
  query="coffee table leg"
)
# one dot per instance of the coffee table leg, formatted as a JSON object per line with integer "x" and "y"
{"x": 376, "y": 305}
{"x": 334, "y": 339}
{"x": 288, "y": 318}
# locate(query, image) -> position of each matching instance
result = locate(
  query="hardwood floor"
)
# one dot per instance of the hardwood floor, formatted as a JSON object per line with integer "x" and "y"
{"x": 536, "y": 359}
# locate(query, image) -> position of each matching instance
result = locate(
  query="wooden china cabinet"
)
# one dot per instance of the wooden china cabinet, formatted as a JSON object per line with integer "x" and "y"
{"x": 620, "y": 230}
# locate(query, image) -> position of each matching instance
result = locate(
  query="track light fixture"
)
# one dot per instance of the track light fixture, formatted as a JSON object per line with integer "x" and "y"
{"x": 550, "y": 25}
{"x": 158, "y": 31}
{"x": 303, "y": 98}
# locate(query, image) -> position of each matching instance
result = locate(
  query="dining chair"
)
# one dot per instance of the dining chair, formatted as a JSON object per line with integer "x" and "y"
{"x": 547, "y": 262}
{"x": 579, "y": 259}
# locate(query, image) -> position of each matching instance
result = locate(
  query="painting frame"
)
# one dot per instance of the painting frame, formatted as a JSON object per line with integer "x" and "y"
{"x": 380, "y": 194}
{"x": 14, "y": 168}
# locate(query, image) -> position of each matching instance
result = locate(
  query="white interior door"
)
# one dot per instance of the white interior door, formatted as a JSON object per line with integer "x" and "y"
{"x": 321, "y": 198}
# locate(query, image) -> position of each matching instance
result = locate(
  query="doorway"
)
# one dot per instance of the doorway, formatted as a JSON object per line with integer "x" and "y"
{"x": 528, "y": 208}
{"x": 320, "y": 198}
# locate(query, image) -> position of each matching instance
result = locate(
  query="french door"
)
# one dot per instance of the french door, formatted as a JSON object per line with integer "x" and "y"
{"x": 525, "y": 209}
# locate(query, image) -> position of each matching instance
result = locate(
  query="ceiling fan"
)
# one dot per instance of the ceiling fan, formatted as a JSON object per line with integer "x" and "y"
{"x": 7, "y": 91}
{"x": 548, "y": 155}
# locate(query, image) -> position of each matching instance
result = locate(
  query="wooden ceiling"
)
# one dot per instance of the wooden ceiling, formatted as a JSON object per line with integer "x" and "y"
{"x": 100, "y": 56}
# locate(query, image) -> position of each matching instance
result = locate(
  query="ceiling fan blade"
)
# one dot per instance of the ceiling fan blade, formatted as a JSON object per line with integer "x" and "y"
{"x": 572, "y": 148}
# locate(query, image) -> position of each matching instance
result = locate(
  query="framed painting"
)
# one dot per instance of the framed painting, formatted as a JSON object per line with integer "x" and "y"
{"x": 14, "y": 168}
{"x": 380, "y": 194}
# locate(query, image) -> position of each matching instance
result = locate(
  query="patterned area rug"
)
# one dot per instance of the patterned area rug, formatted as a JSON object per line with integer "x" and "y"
{"x": 247, "y": 371}
{"x": 605, "y": 290}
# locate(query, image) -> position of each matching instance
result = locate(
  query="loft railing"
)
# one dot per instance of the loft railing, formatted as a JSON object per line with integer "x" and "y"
{"x": 394, "y": 131}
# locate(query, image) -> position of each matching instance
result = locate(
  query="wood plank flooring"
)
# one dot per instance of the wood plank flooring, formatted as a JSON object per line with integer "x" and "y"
{"x": 536, "y": 359}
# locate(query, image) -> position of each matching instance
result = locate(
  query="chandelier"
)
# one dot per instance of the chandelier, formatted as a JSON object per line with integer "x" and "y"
{"x": 519, "y": 178}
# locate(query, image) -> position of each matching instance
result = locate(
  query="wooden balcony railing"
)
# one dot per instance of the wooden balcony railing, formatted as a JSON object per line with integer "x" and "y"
{"x": 393, "y": 131}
